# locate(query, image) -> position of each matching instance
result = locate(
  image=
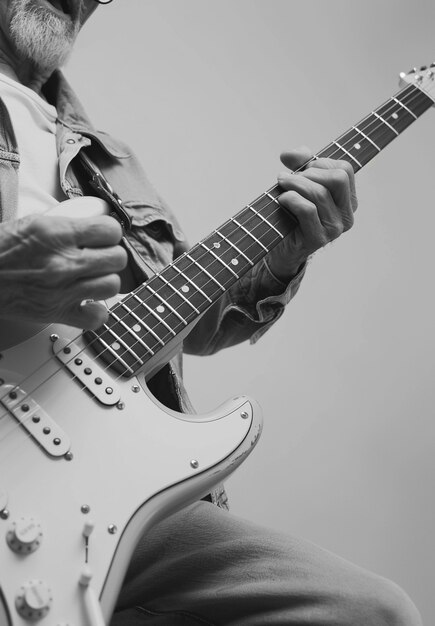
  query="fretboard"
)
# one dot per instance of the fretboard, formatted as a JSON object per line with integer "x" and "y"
{"x": 153, "y": 315}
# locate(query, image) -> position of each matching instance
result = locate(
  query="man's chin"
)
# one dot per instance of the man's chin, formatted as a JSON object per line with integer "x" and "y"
{"x": 42, "y": 34}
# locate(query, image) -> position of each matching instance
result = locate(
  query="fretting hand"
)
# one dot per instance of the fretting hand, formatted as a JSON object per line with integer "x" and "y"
{"x": 322, "y": 198}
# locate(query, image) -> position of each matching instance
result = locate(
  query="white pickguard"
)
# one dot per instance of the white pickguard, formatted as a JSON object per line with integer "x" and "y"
{"x": 132, "y": 463}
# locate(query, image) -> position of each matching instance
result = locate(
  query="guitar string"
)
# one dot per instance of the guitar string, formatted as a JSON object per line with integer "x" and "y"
{"x": 380, "y": 124}
{"x": 204, "y": 255}
{"x": 108, "y": 367}
{"x": 175, "y": 295}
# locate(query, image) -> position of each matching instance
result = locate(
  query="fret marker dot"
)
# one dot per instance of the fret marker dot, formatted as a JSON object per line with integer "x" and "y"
{"x": 185, "y": 288}
{"x": 137, "y": 328}
{"x": 116, "y": 345}
{"x": 395, "y": 116}
{"x": 160, "y": 308}
{"x": 234, "y": 261}
{"x": 357, "y": 146}
{"x": 216, "y": 244}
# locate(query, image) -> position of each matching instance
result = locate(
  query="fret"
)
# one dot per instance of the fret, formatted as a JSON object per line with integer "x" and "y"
{"x": 194, "y": 265}
{"x": 154, "y": 313}
{"x": 230, "y": 243}
{"x": 269, "y": 224}
{"x": 386, "y": 123}
{"x": 257, "y": 227}
{"x": 131, "y": 333}
{"x": 177, "y": 292}
{"x": 347, "y": 153}
{"x": 167, "y": 303}
{"x": 327, "y": 152}
{"x": 227, "y": 267}
{"x": 141, "y": 323}
{"x": 405, "y": 107}
{"x": 377, "y": 130}
{"x": 397, "y": 115}
{"x": 269, "y": 195}
{"x": 202, "y": 268}
{"x": 249, "y": 234}
{"x": 357, "y": 147}
{"x": 368, "y": 138}
{"x": 108, "y": 348}
{"x": 164, "y": 303}
{"x": 189, "y": 280}
{"x": 120, "y": 341}
{"x": 415, "y": 99}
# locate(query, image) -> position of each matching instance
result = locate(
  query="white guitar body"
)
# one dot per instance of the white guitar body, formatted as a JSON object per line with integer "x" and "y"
{"x": 88, "y": 460}
{"x": 86, "y": 469}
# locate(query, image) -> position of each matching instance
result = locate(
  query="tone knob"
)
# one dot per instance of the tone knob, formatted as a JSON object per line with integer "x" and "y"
{"x": 33, "y": 601}
{"x": 24, "y": 536}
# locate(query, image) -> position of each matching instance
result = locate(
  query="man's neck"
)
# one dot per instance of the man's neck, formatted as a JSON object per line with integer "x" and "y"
{"x": 24, "y": 73}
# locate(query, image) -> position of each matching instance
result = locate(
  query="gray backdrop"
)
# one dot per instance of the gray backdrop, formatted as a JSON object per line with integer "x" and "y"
{"x": 208, "y": 94}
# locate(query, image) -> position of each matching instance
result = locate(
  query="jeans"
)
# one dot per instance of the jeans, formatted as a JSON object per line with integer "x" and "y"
{"x": 204, "y": 566}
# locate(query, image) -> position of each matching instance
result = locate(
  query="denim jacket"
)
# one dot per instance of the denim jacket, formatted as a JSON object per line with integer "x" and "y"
{"x": 244, "y": 312}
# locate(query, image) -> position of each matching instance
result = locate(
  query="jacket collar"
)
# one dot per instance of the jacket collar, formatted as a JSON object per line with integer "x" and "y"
{"x": 71, "y": 114}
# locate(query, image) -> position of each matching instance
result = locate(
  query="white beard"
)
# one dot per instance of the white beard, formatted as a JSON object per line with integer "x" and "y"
{"x": 41, "y": 36}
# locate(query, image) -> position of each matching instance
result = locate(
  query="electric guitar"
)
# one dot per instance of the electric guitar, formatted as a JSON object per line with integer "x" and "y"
{"x": 89, "y": 460}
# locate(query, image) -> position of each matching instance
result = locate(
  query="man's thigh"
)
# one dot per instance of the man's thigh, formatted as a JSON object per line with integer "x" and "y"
{"x": 206, "y": 566}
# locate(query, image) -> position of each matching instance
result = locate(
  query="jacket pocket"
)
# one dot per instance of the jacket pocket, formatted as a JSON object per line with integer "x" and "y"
{"x": 157, "y": 237}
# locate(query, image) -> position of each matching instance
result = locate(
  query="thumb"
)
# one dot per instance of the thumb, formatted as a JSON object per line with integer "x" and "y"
{"x": 90, "y": 315}
{"x": 296, "y": 158}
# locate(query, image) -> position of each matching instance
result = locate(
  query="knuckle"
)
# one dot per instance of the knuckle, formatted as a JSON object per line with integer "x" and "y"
{"x": 348, "y": 222}
{"x": 284, "y": 178}
{"x": 122, "y": 257}
{"x": 335, "y": 230}
{"x": 323, "y": 195}
{"x": 339, "y": 177}
{"x": 112, "y": 284}
{"x": 55, "y": 272}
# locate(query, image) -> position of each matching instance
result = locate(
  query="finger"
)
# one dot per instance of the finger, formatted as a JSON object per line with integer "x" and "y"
{"x": 88, "y": 316}
{"x": 100, "y": 261}
{"x": 307, "y": 216}
{"x": 97, "y": 232}
{"x": 95, "y": 288}
{"x": 328, "y": 164}
{"x": 334, "y": 219}
{"x": 330, "y": 192}
{"x": 296, "y": 158}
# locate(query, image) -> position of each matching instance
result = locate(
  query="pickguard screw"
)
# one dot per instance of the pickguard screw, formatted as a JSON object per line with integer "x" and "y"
{"x": 112, "y": 529}
{"x": 244, "y": 415}
{"x": 135, "y": 388}
{"x": 69, "y": 456}
{"x": 85, "y": 508}
{"x": 120, "y": 406}
{"x": 4, "y": 514}
{"x": 194, "y": 463}
{"x": 54, "y": 337}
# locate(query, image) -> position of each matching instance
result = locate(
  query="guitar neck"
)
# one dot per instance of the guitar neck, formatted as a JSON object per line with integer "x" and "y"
{"x": 153, "y": 315}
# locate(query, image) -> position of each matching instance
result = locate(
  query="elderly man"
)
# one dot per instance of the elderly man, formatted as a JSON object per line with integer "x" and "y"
{"x": 203, "y": 565}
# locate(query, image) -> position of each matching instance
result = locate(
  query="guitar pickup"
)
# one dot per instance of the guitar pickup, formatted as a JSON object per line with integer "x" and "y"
{"x": 34, "y": 420}
{"x": 87, "y": 372}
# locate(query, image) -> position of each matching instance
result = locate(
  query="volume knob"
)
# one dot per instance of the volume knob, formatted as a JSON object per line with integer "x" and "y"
{"x": 33, "y": 601}
{"x": 24, "y": 536}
